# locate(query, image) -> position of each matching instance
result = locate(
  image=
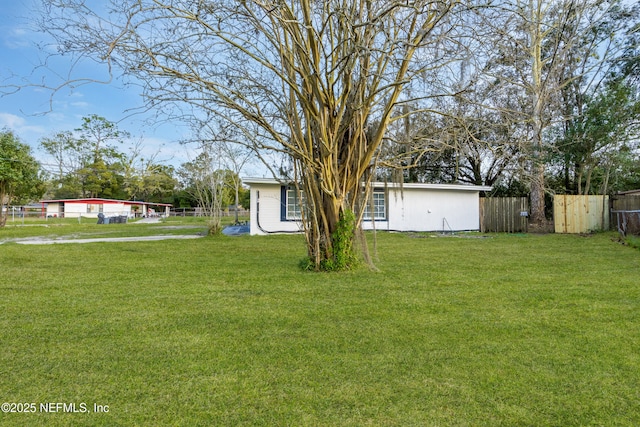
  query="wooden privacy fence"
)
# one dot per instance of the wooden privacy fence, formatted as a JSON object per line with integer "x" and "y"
{"x": 504, "y": 214}
{"x": 625, "y": 202}
{"x": 625, "y": 213}
{"x": 580, "y": 214}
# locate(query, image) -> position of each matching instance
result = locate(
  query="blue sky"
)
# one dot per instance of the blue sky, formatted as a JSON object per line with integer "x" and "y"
{"x": 33, "y": 113}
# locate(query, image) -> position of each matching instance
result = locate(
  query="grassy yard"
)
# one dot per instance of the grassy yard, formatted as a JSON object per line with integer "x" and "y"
{"x": 494, "y": 330}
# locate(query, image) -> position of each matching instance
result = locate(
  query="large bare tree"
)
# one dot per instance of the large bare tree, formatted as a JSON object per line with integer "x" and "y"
{"x": 544, "y": 47}
{"x": 316, "y": 80}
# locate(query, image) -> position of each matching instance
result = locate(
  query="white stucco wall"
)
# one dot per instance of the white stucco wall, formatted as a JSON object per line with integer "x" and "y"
{"x": 265, "y": 210}
{"x": 76, "y": 209}
{"x": 433, "y": 209}
{"x": 417, "y": 207}
{"x": 53, "y": 209}
{"x": 113, "y": 209}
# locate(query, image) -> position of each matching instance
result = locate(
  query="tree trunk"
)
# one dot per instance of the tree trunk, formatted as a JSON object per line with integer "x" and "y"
{"x": 4, "y": 195}
{"x": 237, "y": 199}
{"x": 538, "y": 216}
{"x": 579, "y": 171}
{"x": 537, "y": 117}
{"x": 605, "y": 182}
{"x": 330, "y": 226}
{"x": 587, "y": 184}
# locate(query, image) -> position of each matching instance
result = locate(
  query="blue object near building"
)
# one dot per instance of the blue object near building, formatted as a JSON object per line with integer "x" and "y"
{"x": 236, "y": 230}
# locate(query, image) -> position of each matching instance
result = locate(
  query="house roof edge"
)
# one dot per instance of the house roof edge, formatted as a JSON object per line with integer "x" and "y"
{"x": 457, "y": 187}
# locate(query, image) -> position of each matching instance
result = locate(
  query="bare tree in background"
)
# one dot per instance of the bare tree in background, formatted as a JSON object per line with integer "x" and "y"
{"x": 542, "y": 47}
{"x": 231, "y": 145}
{"x": 205, "y": 179}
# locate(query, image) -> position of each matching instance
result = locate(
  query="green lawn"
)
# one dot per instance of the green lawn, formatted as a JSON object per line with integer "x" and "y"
{"x": 497, "y": 330}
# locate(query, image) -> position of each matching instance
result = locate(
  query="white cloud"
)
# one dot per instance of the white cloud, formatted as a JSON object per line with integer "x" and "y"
{"x": 11, "y": 121}
{"x": 56, "y": 117}
{"x": 21, "y": 126}
{"x": 16, "y": 38}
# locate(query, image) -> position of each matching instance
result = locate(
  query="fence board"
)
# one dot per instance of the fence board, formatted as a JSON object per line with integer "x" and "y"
{"x": 624, "y": 202}
{"x": 198, "y": 212}
{"x": 580, "y": 214}
{"x": 504, "y": 214}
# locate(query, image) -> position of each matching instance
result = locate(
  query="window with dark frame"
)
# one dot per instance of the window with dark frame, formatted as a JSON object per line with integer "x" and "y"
{"x": 379, "y": 203}
{"x": 294, "y": 200}
{"x": 94, "y": 207}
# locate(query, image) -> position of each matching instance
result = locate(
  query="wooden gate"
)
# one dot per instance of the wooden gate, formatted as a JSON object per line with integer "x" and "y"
{"x": 504, "y": 214}
{"x": 580, "y": 214}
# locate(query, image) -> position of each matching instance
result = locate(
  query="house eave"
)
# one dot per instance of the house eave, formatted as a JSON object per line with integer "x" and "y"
{"x": 450, "y": 187}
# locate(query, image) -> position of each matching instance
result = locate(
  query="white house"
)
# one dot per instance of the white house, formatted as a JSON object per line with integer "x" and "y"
{"x": 91, "y": 207}
{"x": 410, "y": 207}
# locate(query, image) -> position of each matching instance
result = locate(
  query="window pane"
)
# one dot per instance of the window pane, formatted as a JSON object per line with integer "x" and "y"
{"x": 293, "y": 204}
{"x": 379, "y": 206}
{"x": 93, "y": 208}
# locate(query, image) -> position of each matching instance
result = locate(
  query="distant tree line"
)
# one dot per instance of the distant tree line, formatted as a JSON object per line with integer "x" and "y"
{"x": 90, "y": 161}
{"x": 21, "y": 178}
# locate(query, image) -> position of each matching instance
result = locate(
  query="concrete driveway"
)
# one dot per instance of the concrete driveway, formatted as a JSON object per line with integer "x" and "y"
{"x": 77, "y": 239}
{"x": 42, "y": 241}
